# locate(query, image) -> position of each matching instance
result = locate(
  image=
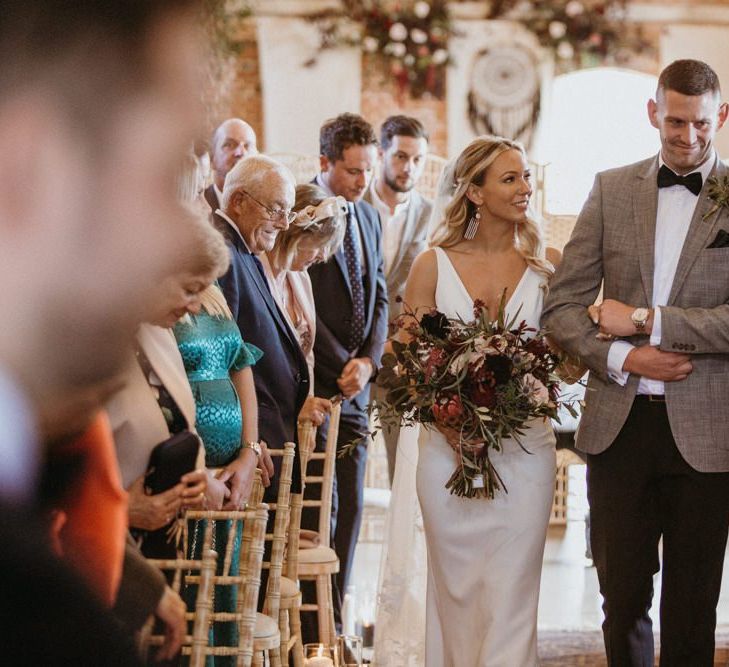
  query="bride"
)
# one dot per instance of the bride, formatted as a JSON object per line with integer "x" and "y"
{"x": 484, "y": 557}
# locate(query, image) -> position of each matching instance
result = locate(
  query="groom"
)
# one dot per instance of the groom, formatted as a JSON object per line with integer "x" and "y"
{"x": 656, "y": 425}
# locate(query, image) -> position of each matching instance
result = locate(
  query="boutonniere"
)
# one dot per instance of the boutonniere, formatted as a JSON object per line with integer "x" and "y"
{"x": 718, "y": 192}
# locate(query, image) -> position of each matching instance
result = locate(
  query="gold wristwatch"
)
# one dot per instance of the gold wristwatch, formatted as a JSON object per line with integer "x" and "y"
{"x": 640, "y": 319}
{"x": 255, "y": 446}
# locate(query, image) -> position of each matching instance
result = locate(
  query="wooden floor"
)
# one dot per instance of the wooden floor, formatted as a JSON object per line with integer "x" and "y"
{"x": 585, "y": 649}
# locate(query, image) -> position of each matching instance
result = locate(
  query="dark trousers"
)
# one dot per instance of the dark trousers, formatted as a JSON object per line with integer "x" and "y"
{"x": 347, "y": 506}
{"x": 640, "y": 489}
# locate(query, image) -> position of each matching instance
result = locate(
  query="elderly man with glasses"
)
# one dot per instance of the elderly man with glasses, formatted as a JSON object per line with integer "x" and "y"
{"x": 256, "y": 205}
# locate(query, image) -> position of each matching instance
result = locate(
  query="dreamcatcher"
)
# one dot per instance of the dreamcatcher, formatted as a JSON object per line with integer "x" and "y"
{"x": 504, "y": 92}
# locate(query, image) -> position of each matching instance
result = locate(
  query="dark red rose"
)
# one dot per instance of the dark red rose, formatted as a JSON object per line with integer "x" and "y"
{"x": 435, "y": 323}
{"x": 500, "y": 367}
{"x": 483, "y": 395}
{"x": 436, "y": 360}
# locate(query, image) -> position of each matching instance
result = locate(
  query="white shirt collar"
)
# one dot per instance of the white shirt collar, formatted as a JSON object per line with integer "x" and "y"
{"x": 399, "y": 208}
{"x": 227, "y": 219}
{"x": 219, "y": 194}
{"x": 320, "y": 182}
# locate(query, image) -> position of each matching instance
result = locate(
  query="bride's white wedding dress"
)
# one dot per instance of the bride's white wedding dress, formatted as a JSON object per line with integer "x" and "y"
{"x": 484, "y": 557}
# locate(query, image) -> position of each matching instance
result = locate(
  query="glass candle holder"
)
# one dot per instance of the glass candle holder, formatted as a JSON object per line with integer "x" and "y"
{"x": 320, "y": 655}
{"x": 350, "y": 651}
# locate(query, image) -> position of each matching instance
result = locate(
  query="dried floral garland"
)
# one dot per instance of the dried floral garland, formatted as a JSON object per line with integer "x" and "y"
{"x": 412, "y": 35}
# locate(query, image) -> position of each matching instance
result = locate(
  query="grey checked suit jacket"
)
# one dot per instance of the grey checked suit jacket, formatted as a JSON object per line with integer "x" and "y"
{"x": 613, "y": 241}
{"x": 413, "y": 242}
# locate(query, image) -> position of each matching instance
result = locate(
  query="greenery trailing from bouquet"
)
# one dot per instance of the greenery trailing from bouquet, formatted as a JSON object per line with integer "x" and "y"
{"x": 482, "y": 381}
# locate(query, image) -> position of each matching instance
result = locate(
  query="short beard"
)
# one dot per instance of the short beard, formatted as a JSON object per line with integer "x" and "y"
{"x": 392, "y": 184}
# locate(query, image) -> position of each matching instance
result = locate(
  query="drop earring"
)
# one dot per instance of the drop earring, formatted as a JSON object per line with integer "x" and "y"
{"x": 472, "y": 227}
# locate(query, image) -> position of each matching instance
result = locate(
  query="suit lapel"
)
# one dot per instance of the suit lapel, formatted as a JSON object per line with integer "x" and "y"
{"x": 698, "y": 235}
{"x": 645, "y": 210}
{"x": 342, "y": 264}
{"x": 367, "y": 250}
{"x": 411, "y": 224}
{"x": 249, "y": 263}
{"x": 268, "y": 299}
{"x": 212, "y": 198}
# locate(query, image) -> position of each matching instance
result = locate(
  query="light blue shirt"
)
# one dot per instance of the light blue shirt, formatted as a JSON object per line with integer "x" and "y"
{"x": 19, "y": 448}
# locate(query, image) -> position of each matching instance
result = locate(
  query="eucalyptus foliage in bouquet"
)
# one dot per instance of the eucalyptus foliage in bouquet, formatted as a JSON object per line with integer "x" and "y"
{"x": 482, "y": 381}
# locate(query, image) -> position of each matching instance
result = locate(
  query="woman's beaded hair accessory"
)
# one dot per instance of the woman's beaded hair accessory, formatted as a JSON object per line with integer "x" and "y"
{"x": 331, "y": 207}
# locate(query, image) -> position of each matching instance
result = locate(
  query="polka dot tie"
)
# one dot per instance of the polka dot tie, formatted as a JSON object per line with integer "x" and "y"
{"x": 351, "y": 247}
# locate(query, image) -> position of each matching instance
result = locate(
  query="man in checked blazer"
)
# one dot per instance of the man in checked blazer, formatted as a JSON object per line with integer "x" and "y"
{"x": 404, "y": 215}
{"x": 656, "y": 424}
{"x": 351, "y": 320}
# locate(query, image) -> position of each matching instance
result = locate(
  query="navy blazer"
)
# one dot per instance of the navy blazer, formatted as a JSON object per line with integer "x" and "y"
{"x": 333, "y": 299}
{"x": 281, "y": 376}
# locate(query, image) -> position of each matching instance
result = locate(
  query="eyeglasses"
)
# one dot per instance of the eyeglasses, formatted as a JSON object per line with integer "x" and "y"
{"x": 274, "y": 214}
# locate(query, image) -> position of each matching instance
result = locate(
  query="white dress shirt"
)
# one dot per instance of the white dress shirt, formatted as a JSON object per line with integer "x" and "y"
{"x": 350, "y": 205}
{"x": 676, "y": 205}
{"x": 393, "y": 225}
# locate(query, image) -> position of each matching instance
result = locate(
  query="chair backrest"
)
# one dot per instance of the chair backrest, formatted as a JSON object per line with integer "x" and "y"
{"x": 326, "y": 479}
{"x": 196, "y": 644}
{"x": 248, "y": 580}
{"x": 280, "y": 529}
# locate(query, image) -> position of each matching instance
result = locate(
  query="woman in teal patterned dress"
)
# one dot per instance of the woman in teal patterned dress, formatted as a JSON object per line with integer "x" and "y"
{"x": 218, "y": 365}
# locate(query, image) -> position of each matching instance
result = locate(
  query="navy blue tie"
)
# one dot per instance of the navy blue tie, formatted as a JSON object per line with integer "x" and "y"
{"x": 352, "y": 254}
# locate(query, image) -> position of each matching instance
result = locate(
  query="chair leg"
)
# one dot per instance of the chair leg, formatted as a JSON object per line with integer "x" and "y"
{"x": 330, "y": 607}
{"x": 274, "y": 657}
{"x": 284, "y": 630}
{"x": 323, "y": 597}
{"x": 298, "y": 648}
{"x": 258, "y": 659}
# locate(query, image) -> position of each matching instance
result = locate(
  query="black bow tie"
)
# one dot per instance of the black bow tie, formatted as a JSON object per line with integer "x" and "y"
{"x": 692, "y": 182}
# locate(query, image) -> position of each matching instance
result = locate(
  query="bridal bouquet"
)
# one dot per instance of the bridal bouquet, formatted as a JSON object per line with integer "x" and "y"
{"x": 481, "y": 380}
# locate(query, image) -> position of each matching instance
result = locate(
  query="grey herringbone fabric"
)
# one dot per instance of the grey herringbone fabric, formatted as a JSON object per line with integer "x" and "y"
{"x": 613, "y": 242}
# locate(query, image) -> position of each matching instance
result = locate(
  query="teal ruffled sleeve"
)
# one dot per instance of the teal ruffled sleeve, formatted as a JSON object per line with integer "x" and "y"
{"x": 247, "y": 356}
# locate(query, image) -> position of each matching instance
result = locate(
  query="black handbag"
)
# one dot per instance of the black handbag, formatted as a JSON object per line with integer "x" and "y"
{"x": 170, "y": 460}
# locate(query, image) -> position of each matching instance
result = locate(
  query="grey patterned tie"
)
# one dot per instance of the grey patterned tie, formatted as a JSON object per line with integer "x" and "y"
{"x": 352, "y": 254}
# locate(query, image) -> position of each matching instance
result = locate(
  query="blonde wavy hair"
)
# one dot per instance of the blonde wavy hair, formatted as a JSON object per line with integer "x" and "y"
{"x": 327, "y": 232}
{"x": 470, "y": 168}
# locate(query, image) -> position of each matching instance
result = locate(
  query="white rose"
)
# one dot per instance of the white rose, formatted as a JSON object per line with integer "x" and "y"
{"x": 409, "y": 59}
{"x": 440, "y": 56}
{"x": 418, "y": 36}
{"x": 565, "y": 50}
{"x": 574, "y": 8}
{"x": 398, "y": 50}
{"x": 557, "y": 29}
{"x": 398, "y": 32}
{"x": 370, "y": 44}
{"x": 421, "y": 9}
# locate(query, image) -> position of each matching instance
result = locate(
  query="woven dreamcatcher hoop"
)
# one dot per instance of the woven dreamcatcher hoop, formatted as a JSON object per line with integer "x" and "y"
{"x": 504, "y": 92}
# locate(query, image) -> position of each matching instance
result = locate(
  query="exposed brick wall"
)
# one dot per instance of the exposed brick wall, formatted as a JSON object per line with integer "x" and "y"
{"x": 381, "y": 98}
{"x": 246, "y": 101}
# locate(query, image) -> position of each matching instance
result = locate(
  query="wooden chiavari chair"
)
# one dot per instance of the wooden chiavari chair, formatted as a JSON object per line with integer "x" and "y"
{"x": 195, "y": 644}
{"x": 320, "y": 563}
